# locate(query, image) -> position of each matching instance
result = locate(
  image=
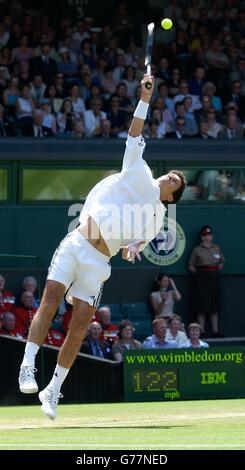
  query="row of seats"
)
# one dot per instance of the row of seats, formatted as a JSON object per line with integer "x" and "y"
{"x": 132, "y": 311}
{"x": 138, "y": 313}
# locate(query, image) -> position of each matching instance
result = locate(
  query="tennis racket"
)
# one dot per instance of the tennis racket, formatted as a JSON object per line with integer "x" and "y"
{"x": 148, "y": 51}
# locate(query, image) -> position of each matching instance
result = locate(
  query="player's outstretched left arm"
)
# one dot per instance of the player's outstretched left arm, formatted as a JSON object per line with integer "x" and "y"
{"x": 142, "y": 107}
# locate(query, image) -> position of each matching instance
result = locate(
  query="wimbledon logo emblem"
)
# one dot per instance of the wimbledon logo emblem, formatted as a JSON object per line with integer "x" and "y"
{"x": 168, "y": 246}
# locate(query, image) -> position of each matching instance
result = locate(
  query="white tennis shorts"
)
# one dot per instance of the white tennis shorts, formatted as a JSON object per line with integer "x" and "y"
{"x": 81, "y": 268}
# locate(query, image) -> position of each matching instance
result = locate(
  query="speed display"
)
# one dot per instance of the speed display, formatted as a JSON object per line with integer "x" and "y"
{"x": 175, "y": 374}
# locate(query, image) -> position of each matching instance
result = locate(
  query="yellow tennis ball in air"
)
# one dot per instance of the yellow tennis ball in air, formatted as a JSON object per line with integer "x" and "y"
{"x": 166, "y": 23}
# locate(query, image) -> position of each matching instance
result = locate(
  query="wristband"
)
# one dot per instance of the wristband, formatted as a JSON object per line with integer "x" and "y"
{"x": 141, "y": 110}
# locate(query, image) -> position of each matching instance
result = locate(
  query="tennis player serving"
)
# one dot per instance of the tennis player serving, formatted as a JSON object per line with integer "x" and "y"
{"x": 81, "y": 263}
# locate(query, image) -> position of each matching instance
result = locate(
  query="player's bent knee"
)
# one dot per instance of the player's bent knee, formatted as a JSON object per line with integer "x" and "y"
{"x": 54, "y": 293}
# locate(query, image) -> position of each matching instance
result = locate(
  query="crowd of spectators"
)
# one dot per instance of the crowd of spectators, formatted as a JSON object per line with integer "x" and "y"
{"x": 105, "y": 339}
{"x": 81, "y": 81}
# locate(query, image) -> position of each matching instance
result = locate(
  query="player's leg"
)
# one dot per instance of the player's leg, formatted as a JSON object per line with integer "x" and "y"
{"x": 52, "y": 296}
{"x": 53, "y": 293}
{"x": 92, "y": 269}
{"x": 81, "y": 318}
{"x": 60, "y": 276}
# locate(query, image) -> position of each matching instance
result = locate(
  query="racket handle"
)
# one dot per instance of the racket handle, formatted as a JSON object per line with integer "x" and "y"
{"x": 148, "y": 85}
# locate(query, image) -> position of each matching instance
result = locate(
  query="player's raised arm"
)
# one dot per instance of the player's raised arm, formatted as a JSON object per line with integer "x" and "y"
{"x": 135, "y": 143}
{"x": 142, "y": 107}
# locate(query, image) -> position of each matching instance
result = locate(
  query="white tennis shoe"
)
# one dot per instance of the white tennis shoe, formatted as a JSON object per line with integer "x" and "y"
{"x": 49, "y": 399}
{"x": 27, "y": 380}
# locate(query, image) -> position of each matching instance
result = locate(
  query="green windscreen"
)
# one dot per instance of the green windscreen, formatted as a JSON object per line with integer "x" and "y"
{"x": 60, "y": 185}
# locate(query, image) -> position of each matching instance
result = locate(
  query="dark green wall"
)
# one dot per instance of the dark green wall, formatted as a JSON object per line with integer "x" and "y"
{"x": 37, "y": 229}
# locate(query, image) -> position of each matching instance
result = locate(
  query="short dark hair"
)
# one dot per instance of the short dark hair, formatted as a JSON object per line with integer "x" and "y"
{"x": 178, "y": 193}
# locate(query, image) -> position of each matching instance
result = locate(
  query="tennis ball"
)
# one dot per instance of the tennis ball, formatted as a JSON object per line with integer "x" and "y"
{"x": 166, "y": 23}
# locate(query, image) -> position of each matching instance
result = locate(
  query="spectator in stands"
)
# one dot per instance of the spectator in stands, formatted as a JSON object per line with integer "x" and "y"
{"x": 174, "y": 82}
{"x": 123, "y": 134}
{"x": 78, "y": 129}
{"x": 51, "y": 94}
{"x": 37, "y": 89}
{"x": 109, "y": 331}
{"x": 232, "y": 129}
{"x": 87, "y": 53}
{"x": 10, "y": 96}
{"x": 24, "y": 74}
{"x": 124, "y": 103}
{"x": 194, "y": 332}
{"x": 116, "y": 116}
{"x": 163, "y": 93}
{"x": 132, "y": 54}
{"x": 159, "y": 106}
{"x": 174, "y": 331}
{"x": 60, "y": 86}
{"x": 4, "y": 77}
{"x": 118, "y": 71}
{"x": 184, "y": 93}
{"x": 25, "y": 313}
{"x": 214, "y": 127}
{"x": 36, "y": 128}
{"x": 77, "y": 102}
{"x": 239, "y": 73}
{"x": 125, "y": 341}
{"x": 49, "y": 119}
{"x": 209, "y": 89}
{"x": 9, "y": 327}
{"x": 66, "y": 66}
{"x": 158, "y": 339}
{"x": 205, "y": 262}
{"x": 196, "y": 83}
{"x": 24, "y": 109}
{"x": 6, "y": 126}
{"x": 7, "y": 298}
{"x": 43, "y": 65}
{"x": 190, "y": 127}
{"x": 237, "y": 97}
{"x": 92, "y": 345}
{"x": 163, "y": 298}
{"x": 179, "y": 132}
{"x": 218, "y": 63}
{"x": 189, "y": 114}
{"x": 4, "y": 35}
{"x": 65, "y": 118}
{"x": 163, "y": 69}
{"x": 93, "y": 118}
{"x": 106, "y": 132}
{"x": 203, "y": 130}
{"x": 108, "y": 83}
{"x": 130, "y": 81}
{"x": 29, "y": 284}
{"x": 23, "y": 52}
{"x": 200, "y": 114}
{"x": 155, "y": 129}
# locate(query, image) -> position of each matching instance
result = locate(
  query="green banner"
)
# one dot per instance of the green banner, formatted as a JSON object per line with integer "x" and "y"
{"x": 184, "y": 374}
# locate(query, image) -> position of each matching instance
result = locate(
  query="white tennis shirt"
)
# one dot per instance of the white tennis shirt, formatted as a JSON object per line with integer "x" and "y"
{"x": 126, "y": 206}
